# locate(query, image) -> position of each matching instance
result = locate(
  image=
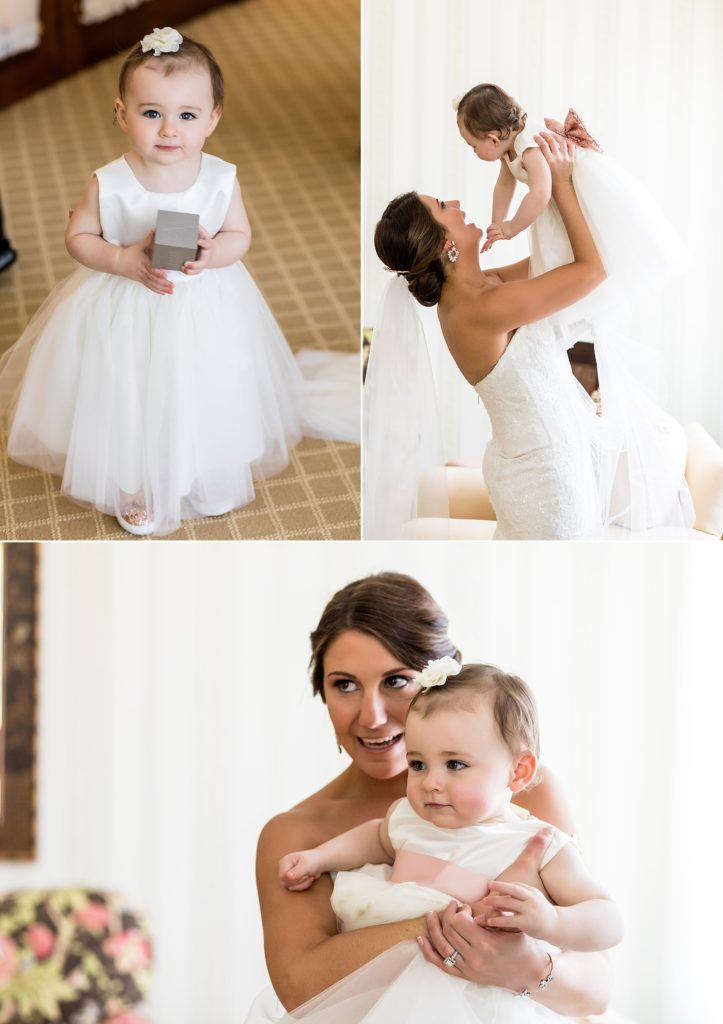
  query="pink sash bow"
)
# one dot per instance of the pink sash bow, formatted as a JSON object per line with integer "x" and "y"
{"x": 573, "y": 129}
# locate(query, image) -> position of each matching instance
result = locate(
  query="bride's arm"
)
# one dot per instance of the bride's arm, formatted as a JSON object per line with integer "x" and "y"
{"x": 513, "y": 271}
{"x": 304, "y": 953}
{"x": 583, "y": 981}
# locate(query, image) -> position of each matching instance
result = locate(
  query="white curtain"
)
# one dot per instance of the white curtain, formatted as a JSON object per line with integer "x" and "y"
{"x": 645, "y": 75}
{"x": 100, "y": 10}
{"x": 176, "y": 717}
{"x": 19, "y": 26}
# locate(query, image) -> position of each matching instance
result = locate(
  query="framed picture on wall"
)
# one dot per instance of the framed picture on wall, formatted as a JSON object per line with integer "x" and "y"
{"x": 18, "y": 701}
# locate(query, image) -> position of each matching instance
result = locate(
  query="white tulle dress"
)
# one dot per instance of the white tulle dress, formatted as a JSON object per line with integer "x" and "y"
{"x": 637, "y": 244}
{"x": 431, "y": 866}
{"x": 174, "y": 402}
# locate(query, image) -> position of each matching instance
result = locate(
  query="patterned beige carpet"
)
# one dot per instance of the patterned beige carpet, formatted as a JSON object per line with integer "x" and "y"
{"x": 291, "y": 124}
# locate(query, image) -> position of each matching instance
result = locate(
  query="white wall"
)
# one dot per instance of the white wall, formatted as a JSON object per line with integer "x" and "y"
{"x": 646, "y": 77}
{"x": 176, "y": 718}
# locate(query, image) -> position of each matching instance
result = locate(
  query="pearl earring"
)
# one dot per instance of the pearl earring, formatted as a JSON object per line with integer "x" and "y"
{"x": 452, "y": 252}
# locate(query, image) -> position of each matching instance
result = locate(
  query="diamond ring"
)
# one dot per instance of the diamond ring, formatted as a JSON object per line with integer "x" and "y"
{"x": 450, "y": 961}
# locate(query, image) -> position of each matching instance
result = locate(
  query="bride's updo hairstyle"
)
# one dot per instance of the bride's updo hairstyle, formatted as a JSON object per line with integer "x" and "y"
{"x": 189, "y": 52}
{"x": 394, "y": 609}
{"x": 410, "y": 241}
{"x": 487, "y": 108}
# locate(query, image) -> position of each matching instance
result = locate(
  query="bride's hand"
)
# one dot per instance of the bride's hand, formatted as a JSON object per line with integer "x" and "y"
{"x": 559, "y": 153}
{"x": 510, "y": 960}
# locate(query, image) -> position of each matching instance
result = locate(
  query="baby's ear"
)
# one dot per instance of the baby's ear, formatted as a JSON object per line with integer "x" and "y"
{"x": 523, "y": 771}
{"x": 215, "y": 118}
{"x": 120, "y": 111}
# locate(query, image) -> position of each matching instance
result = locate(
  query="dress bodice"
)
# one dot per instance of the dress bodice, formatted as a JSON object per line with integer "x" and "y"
{"x": 530, "y": 395}
{"x": 523, "y": 140}
{"x": 486, "y": 848}
{"x": 128, "y": 210}
{"x": 539, "y": 466}
{"x": 431, "y": 865}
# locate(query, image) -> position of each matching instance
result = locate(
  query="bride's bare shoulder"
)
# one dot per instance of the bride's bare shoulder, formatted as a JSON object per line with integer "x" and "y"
{"x": 474, "y": 340}
{"x": 308, "y": 823}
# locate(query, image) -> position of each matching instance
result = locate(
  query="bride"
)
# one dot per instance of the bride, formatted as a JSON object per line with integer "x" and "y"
{"x": 554, "y": 469}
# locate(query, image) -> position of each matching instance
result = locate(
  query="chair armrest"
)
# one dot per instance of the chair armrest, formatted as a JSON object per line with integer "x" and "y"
{"x": 704, "y": 473}
{"x": 454, "y": 492}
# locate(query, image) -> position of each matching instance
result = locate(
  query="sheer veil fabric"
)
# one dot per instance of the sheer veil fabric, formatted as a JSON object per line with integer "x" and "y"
{"x": 402, "y": 430}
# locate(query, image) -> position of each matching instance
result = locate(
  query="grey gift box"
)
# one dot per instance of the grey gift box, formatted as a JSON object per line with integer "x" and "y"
{"x": 176, "y": 240}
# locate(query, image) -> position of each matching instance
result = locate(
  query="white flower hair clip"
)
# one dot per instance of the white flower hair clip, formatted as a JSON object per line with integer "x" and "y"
{"x": 437, "y": 672}
{"x": 162, "y": 40}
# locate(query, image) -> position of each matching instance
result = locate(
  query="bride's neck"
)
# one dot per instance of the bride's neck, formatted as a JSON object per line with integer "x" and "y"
{"x": 467, "y": 271}
{"x": 358, "y": 786}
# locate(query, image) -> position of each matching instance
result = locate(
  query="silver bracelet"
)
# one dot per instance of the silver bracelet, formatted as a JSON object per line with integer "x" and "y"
{"x": 542, "y": 983}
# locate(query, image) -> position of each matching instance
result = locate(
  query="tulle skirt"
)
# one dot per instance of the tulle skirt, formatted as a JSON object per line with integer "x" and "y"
{"x": 637, "y": 244}
{"x": 173, "y": 402}
{"x": 400, "y": 986}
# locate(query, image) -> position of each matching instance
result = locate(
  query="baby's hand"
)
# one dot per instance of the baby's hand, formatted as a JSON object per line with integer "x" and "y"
{"x": 205, "y": 245}
{"x": 299, "y": 871}
{"x": 497, "y": 232}
{"x": 134, "y": 262}
{"x": 525, "y": 909}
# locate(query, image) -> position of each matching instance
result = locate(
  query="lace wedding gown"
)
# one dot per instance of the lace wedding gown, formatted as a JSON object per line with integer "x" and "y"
{"x": 555, "y": 470}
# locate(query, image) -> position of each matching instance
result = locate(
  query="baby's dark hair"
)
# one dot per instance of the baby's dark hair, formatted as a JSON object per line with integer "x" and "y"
{"x": 409, "y": 240}
{"x": 514, "y": 705}
{"x": 487, "y": 108}
{"x": 189, "y": 52}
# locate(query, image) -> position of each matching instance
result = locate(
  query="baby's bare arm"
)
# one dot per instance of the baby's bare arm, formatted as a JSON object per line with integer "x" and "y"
{"x": 83, "y": 238}
{"x": 503, "y": 193}
{"x": 234, "y": 239}
{"x": 582, "y": 916}
{"x": 538, "y": 195}
{"x": 84, "y": 242}
{"x": 366, "y": 844}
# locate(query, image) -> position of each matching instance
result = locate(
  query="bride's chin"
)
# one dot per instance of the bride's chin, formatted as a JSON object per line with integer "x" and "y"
{"x": 384, "y": 773}
{"x": 382, "y": 770}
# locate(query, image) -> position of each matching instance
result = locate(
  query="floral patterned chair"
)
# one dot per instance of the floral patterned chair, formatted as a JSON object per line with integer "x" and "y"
{"x": 75, "y": 956}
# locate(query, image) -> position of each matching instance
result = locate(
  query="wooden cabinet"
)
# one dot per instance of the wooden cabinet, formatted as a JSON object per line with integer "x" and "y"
{"x": 66, "y": 46}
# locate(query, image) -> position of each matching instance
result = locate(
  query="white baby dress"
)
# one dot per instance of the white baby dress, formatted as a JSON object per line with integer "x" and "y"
{"x": 175, "y": 402}
{"x": 638, "y": 246}
{"x": 400, "y": 985}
